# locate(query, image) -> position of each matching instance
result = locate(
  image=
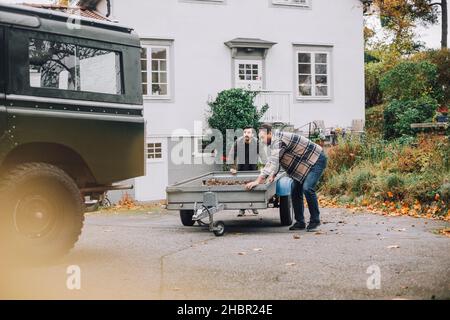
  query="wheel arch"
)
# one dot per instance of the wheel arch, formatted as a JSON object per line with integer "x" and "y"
{"x": 55, "y": 154}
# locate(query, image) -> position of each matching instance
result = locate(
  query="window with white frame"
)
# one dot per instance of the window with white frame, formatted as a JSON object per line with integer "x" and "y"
{"x": 154, "y": 151}
{"x": 155, "y": 71}
{"x": 298, "y": 3}
{"x": 313, "y": 74}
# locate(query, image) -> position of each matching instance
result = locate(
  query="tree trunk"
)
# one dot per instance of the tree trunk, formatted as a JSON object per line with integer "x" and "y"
{"x": 444, "y": 24}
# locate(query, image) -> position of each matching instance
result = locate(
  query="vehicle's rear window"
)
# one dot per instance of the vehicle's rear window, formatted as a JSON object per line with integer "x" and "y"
{"x": 66, "y": 66}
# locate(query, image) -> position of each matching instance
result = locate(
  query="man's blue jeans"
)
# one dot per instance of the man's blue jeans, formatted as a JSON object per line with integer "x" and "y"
{"x": 308, "y": 188}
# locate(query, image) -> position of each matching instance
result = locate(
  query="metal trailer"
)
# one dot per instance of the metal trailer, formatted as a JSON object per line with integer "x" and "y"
{"x": 197, "y": 201}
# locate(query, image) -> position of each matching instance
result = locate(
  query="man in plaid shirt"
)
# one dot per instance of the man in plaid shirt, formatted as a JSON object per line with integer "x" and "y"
{"x": 304, "y": 161}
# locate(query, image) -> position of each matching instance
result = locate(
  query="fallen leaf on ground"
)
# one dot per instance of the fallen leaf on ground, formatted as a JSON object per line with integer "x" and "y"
{"x": 290, "y": 264}
{"x": 445, "y": 232}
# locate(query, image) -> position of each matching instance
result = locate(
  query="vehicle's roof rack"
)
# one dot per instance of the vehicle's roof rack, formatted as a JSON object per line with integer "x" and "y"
{"x": 61, "y": 16}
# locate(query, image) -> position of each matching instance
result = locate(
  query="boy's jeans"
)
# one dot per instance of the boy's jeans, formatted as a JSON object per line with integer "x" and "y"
{"x": 308, "y": 188}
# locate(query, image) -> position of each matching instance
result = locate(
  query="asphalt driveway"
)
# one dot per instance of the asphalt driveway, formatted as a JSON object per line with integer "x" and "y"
{"x": 151, "y": 256}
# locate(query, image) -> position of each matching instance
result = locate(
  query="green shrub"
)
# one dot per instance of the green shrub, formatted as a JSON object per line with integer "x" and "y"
{"x": 337, "y": 184}
{"x": 406, "y": 141}
{"x": 374, "y": 121}
{"x": 361, "y": 181}
{"x": 235, "y": 109}
{"x": 440, "y": 58}
{"x": 373, "y": 74}
{"x": 374, "y": 150}
{"x": 410, "y": 81}
{"x": 344, "y": 155}
{"x": 400, "y": 114}
{"x": 443, "y": 152}
{"x": 422, "y": 187}
{"x": 386, "y": 183}
{"x": 394, "y": 182}
{"x": 444, "y": 192}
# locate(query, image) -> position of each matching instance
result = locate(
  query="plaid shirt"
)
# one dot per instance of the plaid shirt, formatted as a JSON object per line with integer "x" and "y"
{"x": 295, "y": 154}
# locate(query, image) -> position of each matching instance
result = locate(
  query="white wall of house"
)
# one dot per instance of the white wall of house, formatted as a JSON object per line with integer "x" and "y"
{"x": 201, "y": 65}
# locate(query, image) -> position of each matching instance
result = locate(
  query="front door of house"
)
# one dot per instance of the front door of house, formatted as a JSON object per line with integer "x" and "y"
{"x": 249, "y": 74}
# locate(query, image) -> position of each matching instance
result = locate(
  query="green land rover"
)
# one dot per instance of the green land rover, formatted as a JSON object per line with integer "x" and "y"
{"x": 71, "y": 124}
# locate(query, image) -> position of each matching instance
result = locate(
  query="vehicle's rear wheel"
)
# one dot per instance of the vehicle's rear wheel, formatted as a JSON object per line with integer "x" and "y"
{"x": 186, "y": 217}
{"x": 41, "y": 212}
{"x": 285, "y": 211}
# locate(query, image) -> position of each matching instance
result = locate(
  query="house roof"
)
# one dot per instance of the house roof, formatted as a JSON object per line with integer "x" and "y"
{"x": 77, "y": 10}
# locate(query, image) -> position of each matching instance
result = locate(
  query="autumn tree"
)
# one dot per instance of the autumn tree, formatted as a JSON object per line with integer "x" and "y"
{"x": 400, "y": 17}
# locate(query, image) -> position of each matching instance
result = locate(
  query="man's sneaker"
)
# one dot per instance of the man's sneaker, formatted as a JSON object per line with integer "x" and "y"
{"x": 241, "y": 213}
{"x": 312, "y": 226}
{"x": 255, "y": 211}
{"x": 298, "y": 226}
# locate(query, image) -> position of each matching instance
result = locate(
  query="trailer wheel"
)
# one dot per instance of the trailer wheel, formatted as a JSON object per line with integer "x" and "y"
{"x": 285, "y": 211}
{"x": 41, "y": 212}
{"x": 186, "y": 217}
{"x": 219, "y": 228}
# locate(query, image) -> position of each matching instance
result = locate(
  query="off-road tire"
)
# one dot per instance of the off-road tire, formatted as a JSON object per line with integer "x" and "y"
{"x": 36, "y": 194}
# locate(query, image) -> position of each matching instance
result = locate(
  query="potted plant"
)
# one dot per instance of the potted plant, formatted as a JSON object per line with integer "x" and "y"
{"x": 318, "y": 137}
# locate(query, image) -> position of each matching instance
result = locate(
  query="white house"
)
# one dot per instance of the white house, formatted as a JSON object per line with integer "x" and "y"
{"x": 306, "y": 56}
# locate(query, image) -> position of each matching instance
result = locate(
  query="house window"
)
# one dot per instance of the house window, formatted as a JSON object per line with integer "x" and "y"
{"x": 313, "y": 74}
{"x": 155, "y": 71}
{"x": 154, "y": 151}
{"x": 298, "y": 3}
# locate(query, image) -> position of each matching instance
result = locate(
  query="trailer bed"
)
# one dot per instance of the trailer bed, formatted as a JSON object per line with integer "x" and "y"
{"x": 184, "y": 195}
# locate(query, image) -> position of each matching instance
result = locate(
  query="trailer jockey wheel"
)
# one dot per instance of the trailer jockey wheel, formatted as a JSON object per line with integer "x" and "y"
{"x": 219, "y": 228}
